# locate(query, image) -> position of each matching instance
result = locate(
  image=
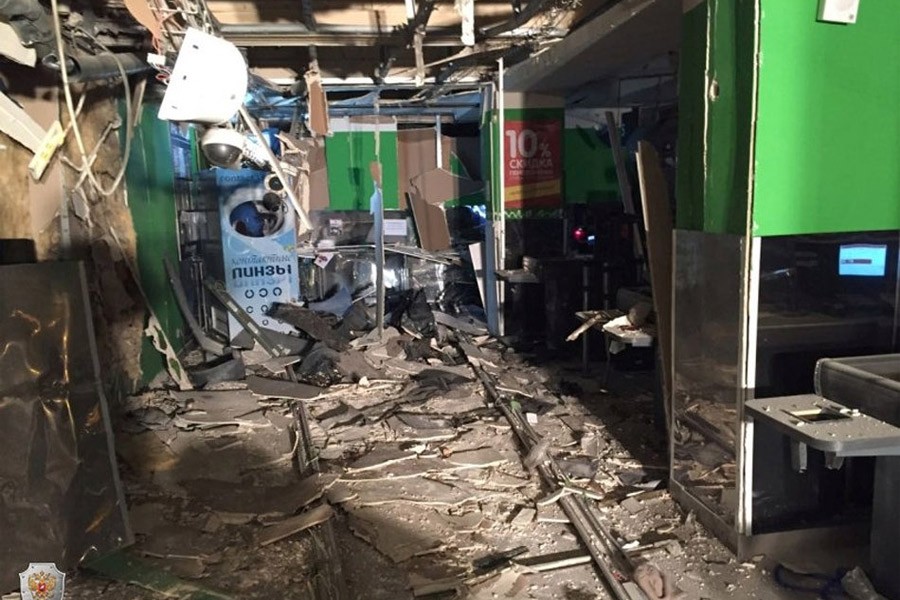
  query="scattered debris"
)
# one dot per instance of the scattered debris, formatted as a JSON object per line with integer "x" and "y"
{"x": 289, "y": 527}
{"x": 279, "y": 388}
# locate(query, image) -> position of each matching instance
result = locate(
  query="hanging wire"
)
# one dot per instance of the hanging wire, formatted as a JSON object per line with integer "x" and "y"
{"x": 73, "y": 116}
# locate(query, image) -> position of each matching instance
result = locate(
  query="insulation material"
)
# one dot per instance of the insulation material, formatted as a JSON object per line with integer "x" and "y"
{"x": 62, "y": 498}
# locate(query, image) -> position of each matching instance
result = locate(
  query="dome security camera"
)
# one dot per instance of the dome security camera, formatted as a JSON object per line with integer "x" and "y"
{"x": 223, "y": 147}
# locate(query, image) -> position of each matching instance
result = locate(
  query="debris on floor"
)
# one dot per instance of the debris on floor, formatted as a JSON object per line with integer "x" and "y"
{"x": 396, "y": 468}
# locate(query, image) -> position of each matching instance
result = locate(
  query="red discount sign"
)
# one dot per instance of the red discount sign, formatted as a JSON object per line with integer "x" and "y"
{"x": 532, "y": 160}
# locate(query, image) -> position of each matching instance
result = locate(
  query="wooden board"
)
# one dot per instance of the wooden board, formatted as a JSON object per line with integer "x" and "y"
{"x": 658, "y": 225}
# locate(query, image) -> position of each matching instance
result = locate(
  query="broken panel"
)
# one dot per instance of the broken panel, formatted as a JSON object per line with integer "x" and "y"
{"x": 60, "y": 495}
{"x": 707, "y": 367}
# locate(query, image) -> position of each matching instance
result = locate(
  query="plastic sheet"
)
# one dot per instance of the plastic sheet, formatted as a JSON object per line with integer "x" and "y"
{"x": 60, "y": 496}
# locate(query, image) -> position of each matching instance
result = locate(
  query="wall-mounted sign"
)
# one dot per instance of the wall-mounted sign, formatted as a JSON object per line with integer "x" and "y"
{"x": 532, "y": 162}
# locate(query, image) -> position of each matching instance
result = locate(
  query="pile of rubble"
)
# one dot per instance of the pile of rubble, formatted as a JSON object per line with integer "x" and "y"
{"x": 386, "y": 466}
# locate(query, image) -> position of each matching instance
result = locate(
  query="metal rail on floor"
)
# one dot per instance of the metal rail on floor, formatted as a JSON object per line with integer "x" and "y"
{"x": 610, "y": 560}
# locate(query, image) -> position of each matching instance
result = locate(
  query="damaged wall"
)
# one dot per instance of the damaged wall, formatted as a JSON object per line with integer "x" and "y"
{"x": 589, "y": 171}
{"x": 32, "y": 211}
{"x": 150, "y": 181}
{"x": 714, "y": 171}
{"x": 29, "y": 209}
{"x": 350, "y": 151}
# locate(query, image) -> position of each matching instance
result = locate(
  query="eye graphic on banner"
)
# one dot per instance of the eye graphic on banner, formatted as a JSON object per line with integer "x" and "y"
{"x": 532, "y": 160}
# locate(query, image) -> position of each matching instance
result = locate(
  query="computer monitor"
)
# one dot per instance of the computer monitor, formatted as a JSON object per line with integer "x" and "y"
{"x": 862, "y": 260}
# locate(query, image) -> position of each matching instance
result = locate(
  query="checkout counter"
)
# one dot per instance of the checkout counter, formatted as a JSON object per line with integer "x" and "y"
{"x": 753, "y": 320}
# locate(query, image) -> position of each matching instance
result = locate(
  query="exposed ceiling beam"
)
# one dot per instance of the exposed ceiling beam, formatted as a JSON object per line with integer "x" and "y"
{"x": 288, "y": 34}
{"x": 629, "y": 33}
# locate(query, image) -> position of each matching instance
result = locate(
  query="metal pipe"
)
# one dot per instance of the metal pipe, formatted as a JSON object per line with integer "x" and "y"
{"x": 501, "y": 233}
{"x": 103, "y": 66}
{"x": 597, "y": 540}
{"x": 291, "y": 34}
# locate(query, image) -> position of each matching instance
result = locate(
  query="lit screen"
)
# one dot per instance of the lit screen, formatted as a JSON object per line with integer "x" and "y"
{"x": 864, "y": 260}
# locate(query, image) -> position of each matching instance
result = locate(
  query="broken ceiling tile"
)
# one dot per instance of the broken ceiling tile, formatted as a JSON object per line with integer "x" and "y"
{"x": 463, "y": 523}
{"x": 417, "y": 421}
{"x": 292, "y": 525}
{"x": 524, "y": 517}
{"x": 551, "y": 514}
{"x": 257, "y": 500}
{"x": 339, "y": 493}
{"x": 342, "y": 414}
{"x": 281, "y": 388}
{"x": 480, "y": 458}
{"x": 403, "y": 432}
{"x": 399, "y": 537}
{"x": 417, "y": 490}
{"x": 400, "y": 470}
{"x": 277, "y": 365}
{"x": 380, "y": 456}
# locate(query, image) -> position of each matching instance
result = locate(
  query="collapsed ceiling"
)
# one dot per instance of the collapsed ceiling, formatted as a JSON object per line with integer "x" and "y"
{"x": 385, "y": 42}
{"x": 409, "y": 57}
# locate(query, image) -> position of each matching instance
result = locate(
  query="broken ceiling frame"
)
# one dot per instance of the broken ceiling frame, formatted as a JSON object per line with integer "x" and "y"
{"x": 174, "y": 18}
{"x": 294, "y": 34}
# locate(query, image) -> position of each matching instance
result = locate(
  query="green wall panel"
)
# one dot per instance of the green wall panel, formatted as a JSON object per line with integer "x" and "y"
{"x": 150, "y": 181}
{"x": 589, "y": 172}
{"x": 349, "y": 155}
{"x": 828, "y": 124}
{"x": 691, "y": 107}
{"x": 729, "y": 128}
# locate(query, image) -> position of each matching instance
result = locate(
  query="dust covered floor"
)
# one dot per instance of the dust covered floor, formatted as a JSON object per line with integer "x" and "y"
{"x": 419, "y": 479}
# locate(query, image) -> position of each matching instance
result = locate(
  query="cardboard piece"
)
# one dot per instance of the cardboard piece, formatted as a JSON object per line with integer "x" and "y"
{"x": 143, "y": 14}
{"x": 416, "y": 154}
{"x": 318, "y": 179}
{"x": 317, "y": 102}
{"x": 431, "y": 223}
{"x": 439, "y": 185}
{"x": 658, "y": 225}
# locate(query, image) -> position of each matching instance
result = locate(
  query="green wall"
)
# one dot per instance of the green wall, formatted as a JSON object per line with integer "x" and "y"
{"x": 589, "y": 172}
{"x": 828, "y": 132}
{"x": 349, "y": 154}
{"x": 818, "y": 137}
{"x": 150, "y": 181}
{"x": 691, "y": 107}
{"x": 715, "y": 116}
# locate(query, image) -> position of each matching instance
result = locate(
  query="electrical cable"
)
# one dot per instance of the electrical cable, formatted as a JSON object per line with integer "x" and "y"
{"x": 73, "y": 117}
